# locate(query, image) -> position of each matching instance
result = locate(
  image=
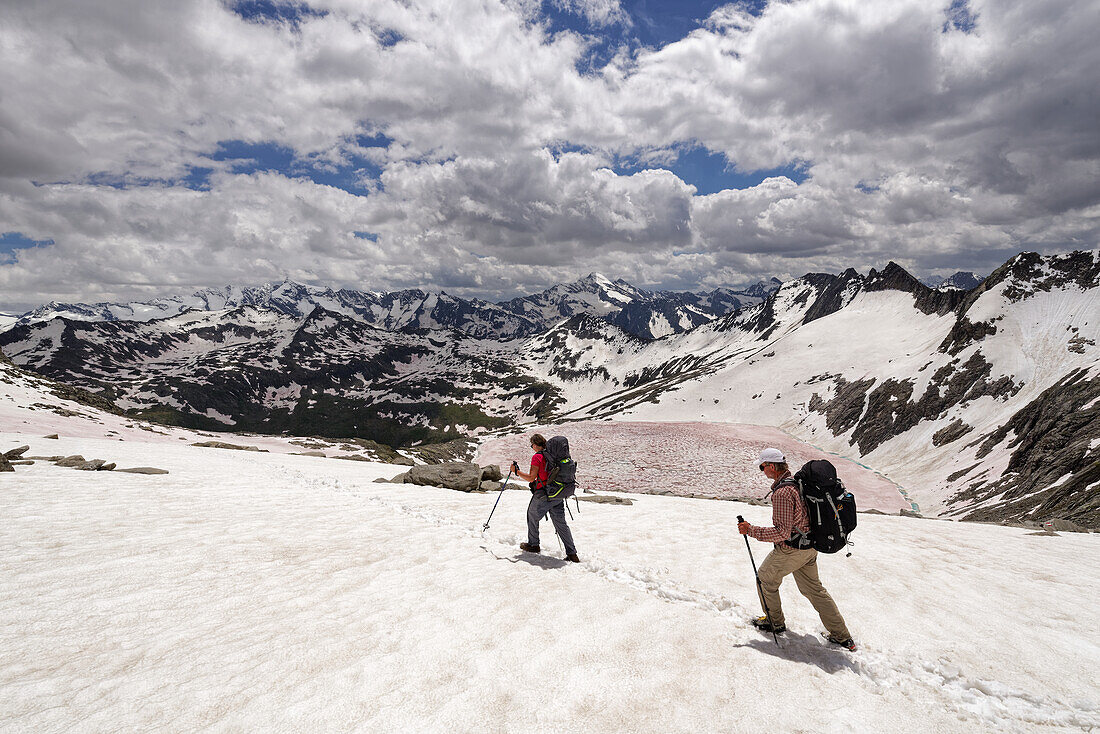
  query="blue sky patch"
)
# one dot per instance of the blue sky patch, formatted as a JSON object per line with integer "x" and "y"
{"x": 653, "y": 24}
{"x": 274, "y": 11}
{"x": 247, "y": 158}
{"x": 960, "y": 17}
{"x": 710, "y": 172}
{"x": 12, "y": 241}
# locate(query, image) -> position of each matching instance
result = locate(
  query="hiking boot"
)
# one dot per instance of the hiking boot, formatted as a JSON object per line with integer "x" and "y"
{"x": 762, "y": 623}
{"x": 847, "y": 642}
{"x": 572, "y": 557}
{"x": 529, "y": 548}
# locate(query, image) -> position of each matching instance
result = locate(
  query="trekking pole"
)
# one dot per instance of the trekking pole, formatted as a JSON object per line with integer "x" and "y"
{"x": 502, "y": 488}
{"x": 759, "y": 588}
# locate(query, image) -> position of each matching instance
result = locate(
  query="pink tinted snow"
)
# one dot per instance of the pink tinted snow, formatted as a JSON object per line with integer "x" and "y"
{"x": 701, "y": 459}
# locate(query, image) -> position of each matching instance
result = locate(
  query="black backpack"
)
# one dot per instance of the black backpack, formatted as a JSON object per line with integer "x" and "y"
{"x": 832, "y": 508}
{"x": 561, "y": 470}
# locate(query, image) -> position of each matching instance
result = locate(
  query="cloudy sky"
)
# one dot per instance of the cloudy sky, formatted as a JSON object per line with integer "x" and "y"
{"x": 491, "y": 147}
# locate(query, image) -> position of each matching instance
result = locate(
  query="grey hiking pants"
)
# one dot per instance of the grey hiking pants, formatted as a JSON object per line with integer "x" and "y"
{"x": 538, "y": 509}
{"x": 802, "y": 564}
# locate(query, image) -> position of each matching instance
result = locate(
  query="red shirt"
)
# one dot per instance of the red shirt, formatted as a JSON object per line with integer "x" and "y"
{"x": 788, "y": 513}
{"x": 538, "y": 464}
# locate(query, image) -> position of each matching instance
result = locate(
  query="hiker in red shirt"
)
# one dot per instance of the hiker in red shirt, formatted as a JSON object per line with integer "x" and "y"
{"x": 541, "y": 504}
{"x": 789, "y": 515}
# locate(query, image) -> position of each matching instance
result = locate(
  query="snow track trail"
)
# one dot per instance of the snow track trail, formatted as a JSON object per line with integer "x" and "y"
{"x": 262, "y": 592}
{"x": 973, "y": 698}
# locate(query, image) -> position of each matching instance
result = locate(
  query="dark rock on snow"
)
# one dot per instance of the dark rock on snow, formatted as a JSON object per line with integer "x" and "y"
{"x": 1051, "y": 438}
{"x": 604, "y": 499}
{"x": 223, "y": 445}
{"x": 461, "y": 475}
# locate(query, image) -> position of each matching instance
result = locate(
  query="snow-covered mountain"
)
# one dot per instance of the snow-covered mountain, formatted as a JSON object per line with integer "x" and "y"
{"x": 649, "y": 315}
{"x": 256, "y": 369}
{"x": 413, "y": 309}
{"x": 593, "y": 294}
{"x": 953, "y": 394}
{"x": 645, "y": 314}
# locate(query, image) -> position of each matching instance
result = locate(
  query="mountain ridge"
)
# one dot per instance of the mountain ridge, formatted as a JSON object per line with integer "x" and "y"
{"x": 918, "y": 382}
{"x": 644, "y": 313}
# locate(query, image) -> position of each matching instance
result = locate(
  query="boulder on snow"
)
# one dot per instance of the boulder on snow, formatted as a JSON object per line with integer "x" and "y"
{"x": 490, "y": 486}
{"x": 52, "y": 435}
{"x": 16, "y": 453}
{"x": 461, "y": 475}
{"x": 910, "y": 513}
{"x": 491, "y": 473}
{"x": 224, "y": 445}
{"x": 5, "y": 465}
{"x": 143, "y": 470}
{"x": 93, "y": 465}
{"x": 605, "y": 499}
{"x": 399, "y": 479}
{"x": 74, "y": 461}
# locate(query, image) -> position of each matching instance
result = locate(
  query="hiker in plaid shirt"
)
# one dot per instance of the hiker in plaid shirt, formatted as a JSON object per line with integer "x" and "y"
{"x": 788, "y": 515}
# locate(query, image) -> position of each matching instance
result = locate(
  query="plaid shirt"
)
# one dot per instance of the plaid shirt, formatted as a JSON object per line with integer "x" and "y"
{"x": 788, "y": 513}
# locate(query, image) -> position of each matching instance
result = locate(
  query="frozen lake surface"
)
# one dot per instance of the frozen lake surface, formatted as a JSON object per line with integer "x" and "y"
{"x": 687, "y": 459}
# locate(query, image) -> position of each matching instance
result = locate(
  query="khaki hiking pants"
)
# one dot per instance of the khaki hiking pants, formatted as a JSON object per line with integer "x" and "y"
{"x": 803, "y": 564}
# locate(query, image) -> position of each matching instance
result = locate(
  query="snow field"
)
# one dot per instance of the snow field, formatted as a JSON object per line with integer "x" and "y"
{"x": 686, "y": 458}
{"x": 262, "y": 591}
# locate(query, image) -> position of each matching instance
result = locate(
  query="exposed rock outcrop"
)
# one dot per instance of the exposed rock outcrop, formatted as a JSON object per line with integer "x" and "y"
{"x": 604, "y": 499}
{"x": 223, "y": 445}
{"x": 953, "y": 432}
{"x": 1053, "y": 438}
{"x": 461, "y": 475}
{"x": 890, "y": 408}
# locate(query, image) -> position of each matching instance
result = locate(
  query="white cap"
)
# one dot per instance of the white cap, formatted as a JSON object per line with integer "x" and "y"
{"x": 772, "y": 456}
